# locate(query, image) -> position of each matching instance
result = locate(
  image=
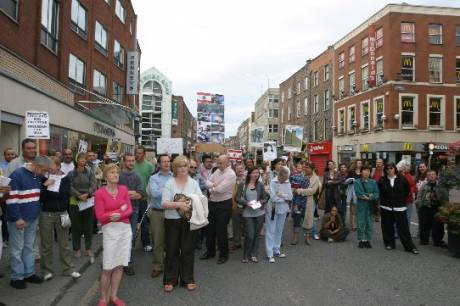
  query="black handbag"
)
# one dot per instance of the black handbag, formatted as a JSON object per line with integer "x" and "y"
{"x": 373, "y": 203}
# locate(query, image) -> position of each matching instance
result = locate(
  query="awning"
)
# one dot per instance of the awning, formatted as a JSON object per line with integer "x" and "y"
{"x": 110, "y": 112}
{"x": 455, "y": 145}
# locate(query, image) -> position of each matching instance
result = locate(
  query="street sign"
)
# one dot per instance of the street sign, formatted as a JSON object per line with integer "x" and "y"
{"x": 37, "y": 125}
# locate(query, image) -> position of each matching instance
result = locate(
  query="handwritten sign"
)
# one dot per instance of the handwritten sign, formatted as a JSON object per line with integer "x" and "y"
{"x": 170, "y": 146}
{"x": 37, "y": 125}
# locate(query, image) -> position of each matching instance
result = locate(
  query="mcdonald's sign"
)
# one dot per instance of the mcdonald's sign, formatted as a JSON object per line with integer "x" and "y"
{"x": 435, "y": 105}
{"x": 365, "y": 148}
{"x": 407, "y": 61}
{"x": 407, "y": 103}
{"x": 408, "y": 146}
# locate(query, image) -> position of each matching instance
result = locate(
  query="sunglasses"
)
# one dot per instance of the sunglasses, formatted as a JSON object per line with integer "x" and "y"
{"x": 193, "y": 167}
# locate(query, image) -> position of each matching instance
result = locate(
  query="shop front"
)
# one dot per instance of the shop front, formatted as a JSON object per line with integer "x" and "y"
{"x": 320, "y": 153}
{"x": 346, "y": 154}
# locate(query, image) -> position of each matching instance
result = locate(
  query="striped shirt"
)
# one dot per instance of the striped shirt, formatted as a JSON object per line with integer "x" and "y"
{"x": 24, "y": 198}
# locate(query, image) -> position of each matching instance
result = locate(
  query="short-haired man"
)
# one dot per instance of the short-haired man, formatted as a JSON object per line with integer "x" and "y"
{"x": 23, "y": 210}
{"x": 144, "y": 169}
{"x": 237, "y": 217}
{"x": 220, "y": 184}
{"x": 9, "y": 155}
{"x": 206, "y": 169}
{"x": 67, "y": 164}
{"x": 136, "y": 192}
{"x": 157, "y": 216}
{"x": 29, "y": 152}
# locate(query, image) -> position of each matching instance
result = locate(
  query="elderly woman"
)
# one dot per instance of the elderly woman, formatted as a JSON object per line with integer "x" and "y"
{"x": 179, "y": 239}
{"x": 113, "y": 209}
{"x": 82, "y": 188}
{"x": 276, "y": 211}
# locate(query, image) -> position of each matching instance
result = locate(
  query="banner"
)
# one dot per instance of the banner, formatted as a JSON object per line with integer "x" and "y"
{"x": 236, "y": 155}
{"x": 372, "y": 64}
{"x": 132, "y": 74}
{"x": 210, "y": 118}
{"x": 257, "y": 136}
{"x": 37, "y": 125}
{"x": 293, "y": 135}
{"x": 174, "y": 112}
{"x": 170, "y": 146}
{"x": 270, "y": 152}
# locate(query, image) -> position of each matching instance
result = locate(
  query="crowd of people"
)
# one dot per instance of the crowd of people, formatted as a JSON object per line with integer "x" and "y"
{"x": 178, "y": 203}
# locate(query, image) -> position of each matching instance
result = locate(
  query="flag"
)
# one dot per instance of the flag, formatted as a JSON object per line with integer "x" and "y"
{"x": 235, "y": 154}
{"x": 204, "y": 97}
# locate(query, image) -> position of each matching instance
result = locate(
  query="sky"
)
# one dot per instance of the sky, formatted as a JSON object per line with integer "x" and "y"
{"x": 238, "y": 48}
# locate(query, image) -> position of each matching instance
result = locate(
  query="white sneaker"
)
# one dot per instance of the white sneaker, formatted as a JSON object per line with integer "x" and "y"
{"x": 47, "y": 277}
{"x": 282, "y": 255}
{"x": 75, "y": 275}
{"x": 316, "y": 236}
{"x": 271, "y": 260}
{"x": 91, "y": 259}
{"x": 148, "y": 248}
{"x": 330, "y": 240}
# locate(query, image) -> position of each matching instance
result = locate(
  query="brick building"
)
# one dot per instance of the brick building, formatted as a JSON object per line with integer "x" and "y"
{"x": 184, "y": 125}
{"x": 71, "y": 56}
{"x": 397, "y": 80}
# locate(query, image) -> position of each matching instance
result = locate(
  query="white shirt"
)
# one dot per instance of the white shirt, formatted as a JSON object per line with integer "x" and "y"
{"x": 66, "y": 168}
{"x": 392, "y": 180}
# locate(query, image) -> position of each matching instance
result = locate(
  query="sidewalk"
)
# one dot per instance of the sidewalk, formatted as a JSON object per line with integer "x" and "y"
{"x": 47, "y": 293}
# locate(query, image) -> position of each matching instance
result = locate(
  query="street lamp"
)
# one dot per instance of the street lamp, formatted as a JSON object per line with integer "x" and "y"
{"x": 430, "y": 148}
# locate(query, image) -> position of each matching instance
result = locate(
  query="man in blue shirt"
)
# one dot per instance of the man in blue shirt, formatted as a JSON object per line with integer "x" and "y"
{"x": 9, "y": 155}
{"x": 156, "y": 215}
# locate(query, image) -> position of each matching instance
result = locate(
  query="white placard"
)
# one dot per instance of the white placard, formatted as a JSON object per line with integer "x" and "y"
{"x": 37, "y": 125}
{"x": 82, "y": 205}
{"x": 82, "y": 146}
{"x": 270, "y": 151}
{"x": 132, "y": 74}
{"x": 170, "y": 146}
{"x": 57, "y": 182}
{"x": 254, "y": 204}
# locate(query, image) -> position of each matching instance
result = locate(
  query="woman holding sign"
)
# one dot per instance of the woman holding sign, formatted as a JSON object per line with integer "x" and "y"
{"x": 251, "y": 196}
{"x": 82, "y": 188}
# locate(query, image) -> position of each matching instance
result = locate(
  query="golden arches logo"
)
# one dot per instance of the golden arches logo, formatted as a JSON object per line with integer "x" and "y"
{"x": 434, "y": 104}
{"x": 408, "y": 146}
{"x": 407, "y": 104}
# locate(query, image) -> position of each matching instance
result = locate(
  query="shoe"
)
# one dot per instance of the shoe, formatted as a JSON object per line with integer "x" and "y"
{"x": 294, "y": 242}
{"x": 168, "y": 288}
{"x": 281, "y": 255}
{"x": 330, "y": 240}
{"x": 244, "y": 260}
{"x": 389, "y": 248}
{"x": 222, "y": 260}
{"x": 254, "y": 259}
{"x": 91, "y": 259}
{"x": 191, "y": 286}
{"x": 423, "y": 242}
{"x": 414, "y": 251}
{"x": 89, "y": 253}
{"x": 236, "y": 247}
{"x": 271, "y": 260}
{"x": 206, "y": 256}
{"x": 361, "y": 244}
{"x": 367, "y": 245}
{"x": 118, "y": 302}
{"x": 47, "y": 277}
{"x": 34, "y": 279}
{"x": 307, "y": 241}
{"x": 77, "y": 254}
{"x": 148, "y": 248}
{"x": 102, "y": 303}
{"x": 18, "y": 284}
{"x": 441, "y": 244}
{"x": 155, "y": 273}
{"x": 75, "y": 275}
{"x": 316, "y": 236}
{"x": 129, "y": 270}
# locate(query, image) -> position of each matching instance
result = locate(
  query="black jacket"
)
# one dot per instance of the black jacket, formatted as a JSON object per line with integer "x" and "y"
{"x": 393, "y": 196}
{"x": 56, "y": 201}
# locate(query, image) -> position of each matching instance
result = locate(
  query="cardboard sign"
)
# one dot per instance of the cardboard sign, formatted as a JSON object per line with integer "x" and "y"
{"x": 37, "y": 125}
{"x": 170, "y": 146}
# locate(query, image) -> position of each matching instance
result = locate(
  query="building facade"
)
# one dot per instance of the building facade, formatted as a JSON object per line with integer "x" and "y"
{"x": 397, "y": 79}
{"x": 243, "y": 134}
{"x": 69, "y": 58}
{"x": 232, "y": 142}
{"x": 183, "y": 123}
{"x": 156, "y": 117}
{"x": 267, "y": 114}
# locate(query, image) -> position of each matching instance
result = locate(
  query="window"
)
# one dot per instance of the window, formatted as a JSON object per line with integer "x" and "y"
{"x": 316, "y": 78}
{"x": 273, "y": 128}
{"x": 78, "y": 19}
{"x": 120, "y": 11}
{"x": 341, "y": 120}
{"x": 351, "y": 118}
{"x": 327, "y": 72}
{"x": 298, "y": 110}
{"x": 435, "y": 111}
{"x": 364, "y": 46}
{"x": 407, "y": 111}
{"x": 317, "y": 130}
{"x": 306, "y": 83}
{"x": 305, "y": 105}
{"x": 273, "y": 98}
{"x": 327, "y": 99}
{"x": 315, "y": 103}
{"x": 326, "y": 126}
{"x": 117, "y": 93}
{"x": 289, "y": 112}
{"x": 457, "y": 36}
{"x": 379, "y": 38}
{"x": 435, "y": 34}
{"x": 99, "y": 82}
{"x": 341, "y": 87}
{"x": 272, "y": 113}
{"x": 378, "y": 106}
{"x": 351, "y": 77}
{"x": 365, "y": 78}
{"x": 49, "y": 31}
{"x": 100, "y": 36}
{"x": 407, "y": 32}
{"x": 118, "y": 54}
{"x": 10, "y": 7}
{"x": 408, "y": 67}
{"x": 351, "y": 54}
{"x": 76, "y": 69}
{"x": 282, "y": 97}
{"x": 289, "y": 92}
{"x": 457, "y": 113}
{"x": 298, "y": 87}
{"x": 457, "y": 69}
{"x": 435, "y": 69}
{"x": 379, "y": 71}
{"x": 365, "y": 124}
{"x": 341, "y": 60}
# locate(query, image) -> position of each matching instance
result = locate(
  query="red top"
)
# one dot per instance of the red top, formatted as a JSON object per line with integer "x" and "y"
{"x": 377, "y": 174}
{"x": 105, "y": 205}
{"x": 413, "y": 187}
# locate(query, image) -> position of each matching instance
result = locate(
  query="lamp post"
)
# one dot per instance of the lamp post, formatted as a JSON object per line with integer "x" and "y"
{"x": 430, "y": 148}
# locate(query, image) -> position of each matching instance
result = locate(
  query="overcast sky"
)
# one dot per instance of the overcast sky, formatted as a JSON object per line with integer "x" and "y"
{"x": 237, "y": 48}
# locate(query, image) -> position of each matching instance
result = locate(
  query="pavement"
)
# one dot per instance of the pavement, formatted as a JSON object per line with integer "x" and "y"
{"x": 321, "y": 274}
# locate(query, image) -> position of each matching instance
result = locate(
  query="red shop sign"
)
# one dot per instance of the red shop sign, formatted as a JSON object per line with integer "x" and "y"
{"x": 320, "y": 148}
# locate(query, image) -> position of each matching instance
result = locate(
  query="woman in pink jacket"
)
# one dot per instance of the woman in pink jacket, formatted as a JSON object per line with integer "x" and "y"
{"x": 113, "y": 208}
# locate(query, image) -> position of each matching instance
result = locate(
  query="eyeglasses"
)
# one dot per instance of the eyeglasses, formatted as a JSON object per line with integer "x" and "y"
{"x": 192, "y": 167}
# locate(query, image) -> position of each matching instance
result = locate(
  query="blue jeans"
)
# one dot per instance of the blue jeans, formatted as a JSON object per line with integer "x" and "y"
{"x": 410, "y": 208}
{"x": 22, "y": 259}
{"x": 273, "y": 233}
{"x": 133, "y": 221}
{"x": 343, "y": 208}
{"x": 145, "y": 226}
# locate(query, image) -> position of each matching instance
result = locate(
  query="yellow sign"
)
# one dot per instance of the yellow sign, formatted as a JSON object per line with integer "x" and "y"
{"x": 408, "y": 146}
{"x": 365, "y": 148}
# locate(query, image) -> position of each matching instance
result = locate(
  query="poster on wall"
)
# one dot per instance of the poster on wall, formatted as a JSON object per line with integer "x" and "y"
{"x": 210, "y": 118}
{"x": 293, "y": 136}
{"x": 256, "y": 138}
{"x": 270, "y": 151}
{"x": 170, "y": 146}
{"x": 37, "y": 124}
{"x": 174, "y": 112}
